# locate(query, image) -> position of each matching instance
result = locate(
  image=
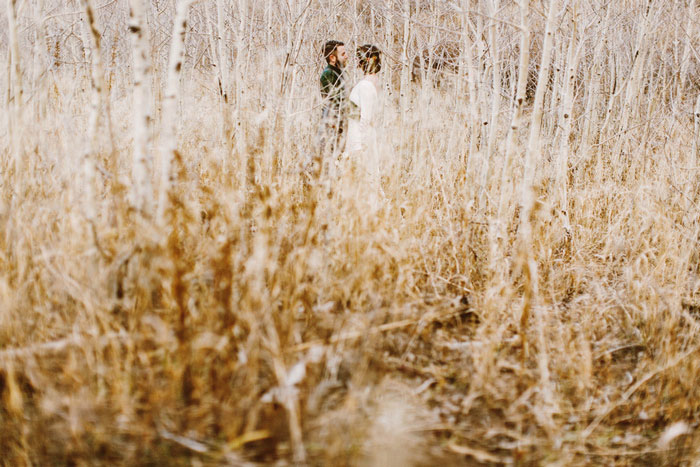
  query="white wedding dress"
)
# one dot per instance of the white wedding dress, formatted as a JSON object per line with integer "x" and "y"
{"x": 361, "y": 147}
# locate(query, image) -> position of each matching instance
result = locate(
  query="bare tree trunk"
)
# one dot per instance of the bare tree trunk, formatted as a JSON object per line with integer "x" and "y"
{"x": 268, "y": 21}
{"x": 696, "y": 136}
{"x": 38, "y": 68}
{"x": 482, "y": 113}
{"x": 614, "y": 92}
{"x": 476, "y": 96}
{"x": 222, "y": 66}
{"x": 404, "y": 49}
{"x": 565, "y": 119}
{"x": 687, "y": 45}
{"x": 632, "y": 90}
{"x": 8, "y": 86}
{"x": 172, "y": 87}
{"x": 472, "y": 74}
{"x": 223, "y": 81}
{"x": 4, "y": 164}
{"x": 490, "y": 153}
{"x": 495, "y": 101}
{"x": 216, "y": 56}
{"x": 691, "y": 184}
{"x": 527, "y": 254}
{"x": 15, "y": 87}
{"x": 143, "y": 161}
{"x": 593, "y": 86}
{"x": 294, "y": 42}
{"x": 553, "y": 106}
{"x": 241, "y": 45}
{"x": 97, "y": 98}
{"x": 516, "y": 119}
{"x": 527, "y": 257}
{"x": 389, "y": 31}
{"x": 239, "y": 86}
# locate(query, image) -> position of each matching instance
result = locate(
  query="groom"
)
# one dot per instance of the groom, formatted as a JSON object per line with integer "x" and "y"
{"x": 334, "y": 95}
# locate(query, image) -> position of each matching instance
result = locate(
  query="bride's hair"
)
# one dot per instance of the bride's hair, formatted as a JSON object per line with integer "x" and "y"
{"x": 370, "y": 58}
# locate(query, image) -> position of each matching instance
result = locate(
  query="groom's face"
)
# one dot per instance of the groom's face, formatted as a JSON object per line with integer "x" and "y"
{"x": 341, "y": 56}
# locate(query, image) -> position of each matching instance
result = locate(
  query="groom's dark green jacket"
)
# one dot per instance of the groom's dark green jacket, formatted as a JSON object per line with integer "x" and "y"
{"x": 333, "y": 94}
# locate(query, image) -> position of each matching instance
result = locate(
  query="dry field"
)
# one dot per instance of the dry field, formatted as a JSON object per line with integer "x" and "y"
{"x": 180, "y": 283}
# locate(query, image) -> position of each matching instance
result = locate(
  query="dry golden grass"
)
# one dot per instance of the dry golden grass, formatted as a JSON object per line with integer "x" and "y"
{"x": 270, "y": 321}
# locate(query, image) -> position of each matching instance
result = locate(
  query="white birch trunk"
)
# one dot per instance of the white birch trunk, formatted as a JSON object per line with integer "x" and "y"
{"x": 223, "y": 59}
{"x": 97, "y": 98}
{"x": 143, "y": 161}
{"x": 553, "y": 106}
{"x": 215, "y": 50}
{"x": 517, "y": 117}
{"x": 404, "y": 49}
{"x": 38, "y": 69}
{"x": 527, "y": 257}
{"x": 591, "y": 112}
{"x": 15, "y": 87}
{"x": 565, "y": 122}
{"x": 687, "y": 45}
{"x": 693, "y": 160}
{"x": 172, "y": 87}
{"x": 404, "y": 76}
{"x": 613, "y": 93}
{"x": 632, "y": 89}
{"x": 4, "y": 164}
{"x": 240, "y": 47}
{"x": 495, "y": 101}
{"x": 8, "y": 94}
{"x": 593, "y": 88}
{"x": 696, "y": 136}
{"x": 474, "y": 123}
{"x": 482, "y": 69}
{"x": 527, "y": 253}
{"x": 221, "y": 80}
{"x": 388, "y": 36}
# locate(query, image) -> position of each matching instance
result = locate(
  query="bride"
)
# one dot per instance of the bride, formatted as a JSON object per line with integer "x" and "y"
{"x": 363, "y": 107}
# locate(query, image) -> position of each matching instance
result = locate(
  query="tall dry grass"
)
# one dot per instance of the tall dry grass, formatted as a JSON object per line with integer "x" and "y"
{"x": 180, "y": 283}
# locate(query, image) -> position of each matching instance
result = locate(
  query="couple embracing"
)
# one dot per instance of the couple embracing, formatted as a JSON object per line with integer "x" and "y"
{"x": 349, "y": 122}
